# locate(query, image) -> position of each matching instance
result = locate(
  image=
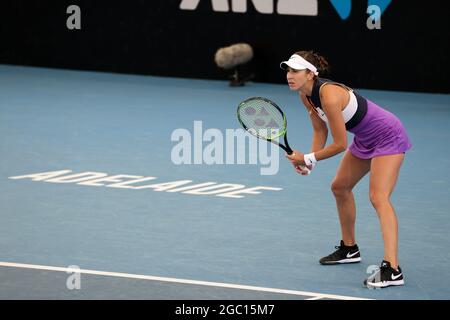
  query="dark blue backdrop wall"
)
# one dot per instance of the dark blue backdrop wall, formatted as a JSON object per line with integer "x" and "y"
{"x": 158, "y": 37}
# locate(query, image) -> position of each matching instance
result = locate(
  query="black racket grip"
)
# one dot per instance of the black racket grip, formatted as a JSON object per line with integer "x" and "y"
{"x": 287, "y": 148}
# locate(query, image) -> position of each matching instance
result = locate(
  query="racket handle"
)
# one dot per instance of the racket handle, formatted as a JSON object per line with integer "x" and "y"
{"x": 288, "y": 148}
{"x": 289, "y": 151}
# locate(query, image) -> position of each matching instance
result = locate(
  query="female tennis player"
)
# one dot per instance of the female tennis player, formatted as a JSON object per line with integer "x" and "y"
{"x": 379, "y": 146}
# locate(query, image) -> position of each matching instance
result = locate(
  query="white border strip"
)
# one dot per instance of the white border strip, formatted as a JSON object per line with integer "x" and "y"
{"x": 315, "y": 296}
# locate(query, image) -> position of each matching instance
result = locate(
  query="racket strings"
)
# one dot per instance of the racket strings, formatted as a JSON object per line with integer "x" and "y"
{"x": 261, "y": 118}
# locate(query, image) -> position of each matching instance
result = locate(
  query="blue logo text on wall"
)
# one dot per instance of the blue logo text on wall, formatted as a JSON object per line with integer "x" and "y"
{"x": 282, "y": 7}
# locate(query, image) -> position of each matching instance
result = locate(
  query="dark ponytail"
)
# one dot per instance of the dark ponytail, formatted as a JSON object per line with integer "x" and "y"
{"x": 316, "y": 59}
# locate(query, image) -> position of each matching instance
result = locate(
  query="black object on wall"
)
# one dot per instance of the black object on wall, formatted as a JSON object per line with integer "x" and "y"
{"x": 157, "y": 37}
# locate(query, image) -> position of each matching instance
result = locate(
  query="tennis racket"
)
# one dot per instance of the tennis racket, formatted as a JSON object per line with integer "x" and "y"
{"x": 264, "y": 119}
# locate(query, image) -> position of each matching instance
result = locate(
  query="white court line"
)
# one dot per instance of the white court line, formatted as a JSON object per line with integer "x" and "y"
{"x": 316, "y": 298}
{"x": 175, "y": 280}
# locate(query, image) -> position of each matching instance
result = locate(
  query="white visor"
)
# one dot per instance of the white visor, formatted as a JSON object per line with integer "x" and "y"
{"x": 298, "y": 63}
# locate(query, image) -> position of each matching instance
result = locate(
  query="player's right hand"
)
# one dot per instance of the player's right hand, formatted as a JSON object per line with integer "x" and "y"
{"x": 304, "y": 172}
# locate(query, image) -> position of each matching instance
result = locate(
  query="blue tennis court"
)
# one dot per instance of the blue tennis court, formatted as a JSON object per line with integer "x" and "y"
{"x": 154, "y": 229}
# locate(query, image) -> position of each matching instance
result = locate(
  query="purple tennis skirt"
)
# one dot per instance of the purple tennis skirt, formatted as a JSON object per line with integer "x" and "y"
{"x": 379, "y": 133}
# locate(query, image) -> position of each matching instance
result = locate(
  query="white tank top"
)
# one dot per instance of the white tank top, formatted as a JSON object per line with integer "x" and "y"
{"x": 348, "y": 112}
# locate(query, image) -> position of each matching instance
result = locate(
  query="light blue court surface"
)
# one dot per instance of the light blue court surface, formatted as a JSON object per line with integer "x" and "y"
{"x": 269, "y": 243}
